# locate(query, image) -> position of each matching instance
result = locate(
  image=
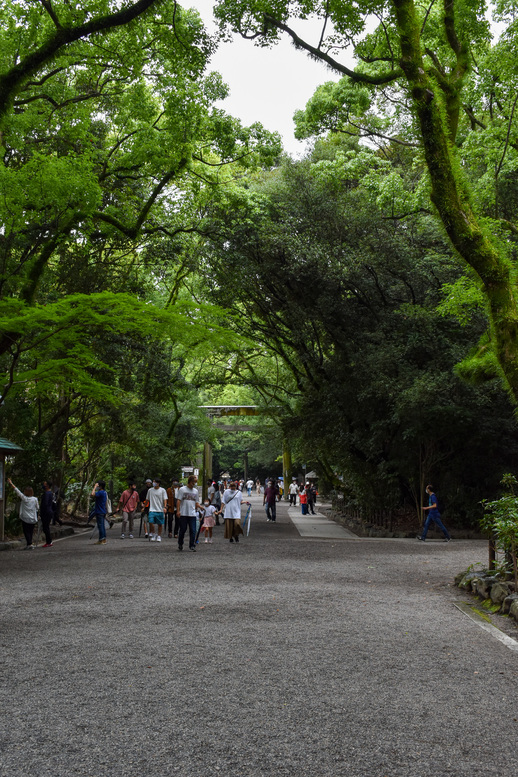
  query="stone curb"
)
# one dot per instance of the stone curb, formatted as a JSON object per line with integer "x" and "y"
{"x": 55, "y": 532}
{"x": 502, "y": 593}
{"x": 65, "y": 531}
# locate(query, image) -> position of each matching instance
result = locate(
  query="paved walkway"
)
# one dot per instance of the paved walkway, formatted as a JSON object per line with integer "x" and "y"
{"x": 318, "y": 526}
{"x": 277, "y": 657}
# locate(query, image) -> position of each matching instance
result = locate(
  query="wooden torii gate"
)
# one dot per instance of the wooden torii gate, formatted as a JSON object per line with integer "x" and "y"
{"x": 223, "y": 411}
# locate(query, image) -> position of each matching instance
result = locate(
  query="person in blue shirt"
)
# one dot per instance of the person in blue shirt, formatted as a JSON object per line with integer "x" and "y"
{"x": 101, "y": 508}
{"x": 433, "y": 515}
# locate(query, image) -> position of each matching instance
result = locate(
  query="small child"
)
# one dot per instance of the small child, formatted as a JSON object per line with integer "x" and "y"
{"x": 209, "y": 521}
{"x": 304, "y": 501}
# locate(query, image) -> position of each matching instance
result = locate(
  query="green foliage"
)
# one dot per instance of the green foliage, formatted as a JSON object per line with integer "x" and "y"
{"x": 500, "y": 520}
{"x": 345, "y": 296}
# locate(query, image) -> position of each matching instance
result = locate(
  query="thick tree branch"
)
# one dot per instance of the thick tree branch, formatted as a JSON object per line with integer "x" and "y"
{"x": 316, "y": 53}
{"x": 12, "y": 81}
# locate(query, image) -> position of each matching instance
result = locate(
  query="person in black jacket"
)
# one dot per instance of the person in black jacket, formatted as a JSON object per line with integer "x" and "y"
{"x": 47, "y": 512}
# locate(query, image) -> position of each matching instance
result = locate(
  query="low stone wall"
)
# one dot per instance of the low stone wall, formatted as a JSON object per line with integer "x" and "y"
{"x": 502, "y": 593}
{"x": 361, "y": 528}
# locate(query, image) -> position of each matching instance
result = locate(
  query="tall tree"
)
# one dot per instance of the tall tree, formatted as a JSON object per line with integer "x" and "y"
{"x": 426, "y": 63}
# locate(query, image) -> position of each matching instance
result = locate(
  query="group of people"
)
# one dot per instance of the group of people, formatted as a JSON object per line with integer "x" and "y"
{"x": 178, "y": 508}
{"x": 307, "y": 494}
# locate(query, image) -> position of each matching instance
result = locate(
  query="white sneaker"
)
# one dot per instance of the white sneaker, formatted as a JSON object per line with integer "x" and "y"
{"x": 206, "y": 540}
{"x": 158, "y": 538}
{"x": 152, "y": 538}
{"x": 122, "y": 536}
{"x": 131, "y": 536}
{"x": 210, "y": 541}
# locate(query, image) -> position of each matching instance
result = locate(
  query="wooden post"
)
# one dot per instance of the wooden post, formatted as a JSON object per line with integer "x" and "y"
{"x": 286, "y": 468}
{"x": 206, "y": 468}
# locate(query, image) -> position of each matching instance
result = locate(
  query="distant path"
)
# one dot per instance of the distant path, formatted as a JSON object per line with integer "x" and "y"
{"x": 277, "y": 657}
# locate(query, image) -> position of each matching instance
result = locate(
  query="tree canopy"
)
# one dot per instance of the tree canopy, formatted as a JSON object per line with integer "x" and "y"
{"x": 156, "y": 255}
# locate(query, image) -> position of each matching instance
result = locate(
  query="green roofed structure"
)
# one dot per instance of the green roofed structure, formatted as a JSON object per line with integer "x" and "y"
{"x": 7, "y": 448}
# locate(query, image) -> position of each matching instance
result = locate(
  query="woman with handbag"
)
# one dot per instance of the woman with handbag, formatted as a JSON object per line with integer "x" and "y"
{"x": 231, "y": 507}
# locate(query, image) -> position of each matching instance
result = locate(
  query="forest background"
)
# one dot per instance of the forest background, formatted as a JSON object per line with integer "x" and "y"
{"x": 157, "y": 256}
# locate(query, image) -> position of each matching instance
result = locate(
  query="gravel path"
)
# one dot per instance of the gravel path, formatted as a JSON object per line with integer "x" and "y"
{"x": 278, "y": 656}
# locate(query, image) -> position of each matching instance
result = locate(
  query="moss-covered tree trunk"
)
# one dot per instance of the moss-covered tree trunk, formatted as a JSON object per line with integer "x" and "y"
{"x": 449, "y": 194}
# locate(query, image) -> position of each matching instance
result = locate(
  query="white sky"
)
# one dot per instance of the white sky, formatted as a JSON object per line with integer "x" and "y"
{"x": 266, "y": 85}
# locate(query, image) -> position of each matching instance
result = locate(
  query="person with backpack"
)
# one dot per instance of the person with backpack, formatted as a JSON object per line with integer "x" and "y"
{"x": 433, "y": 515}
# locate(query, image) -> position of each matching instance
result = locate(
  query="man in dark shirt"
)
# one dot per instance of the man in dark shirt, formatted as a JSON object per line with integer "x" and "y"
{"x": 47, "y": 512}
{"x": 271, "y": 494}
{"x": 101, "y": 509}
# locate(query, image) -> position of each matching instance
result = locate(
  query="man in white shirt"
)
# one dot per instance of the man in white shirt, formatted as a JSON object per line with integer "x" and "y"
{"x": 157, "y": 498}
{"x": 187, "y": 504}
{"x": 249, "y": 484}
{"x": 294, "y": 490}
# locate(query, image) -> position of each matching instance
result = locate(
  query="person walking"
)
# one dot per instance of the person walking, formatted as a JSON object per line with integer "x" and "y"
{"x": 187, "y": 505}
{"x": 270, "y": 499}
{"x": 157, "y": 498}
{"x": 303, "y": 500}
{"x": 47, "y": 512}
{"x": 249, "y": 485}
{"x": 144, "y": 505}
{"x": 172, "y": 493}
{"x": 101, "y": 508}
{"x": 433, "y": 516}
{"x": 311, "y": 493}
{"x": 293, "y": 491}
{"x": 128, "y": 505}
{"x": 28, "y": 512}
{"x": 208, "y": 520}
{"x": 216, "y": 503}
{"x": 231, "y": 506}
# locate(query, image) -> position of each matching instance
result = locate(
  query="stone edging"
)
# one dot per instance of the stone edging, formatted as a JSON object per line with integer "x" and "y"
{"x": 502, "y": 593}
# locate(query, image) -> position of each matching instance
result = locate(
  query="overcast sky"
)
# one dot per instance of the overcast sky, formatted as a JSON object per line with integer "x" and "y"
{"x": 266, "y": 85}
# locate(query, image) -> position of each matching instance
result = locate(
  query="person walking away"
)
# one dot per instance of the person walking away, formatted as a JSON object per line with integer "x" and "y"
{"x": 172, "y": 493}
{"x": 144, "y": 505}
{"x": 216, "y": 502}
{"x": 186, "y": 506}
{"x": 208, "y": 520}
{"x": 231, "y": 505}
{"x": 270, "y": 498}
{"x": 433, "y": 516}
{"x": 311, "y": 498}
{"x": 47, "y": 512}
{"x": 293, "y": 491}
{"x": 101, "y": 502}
{"x": 28, "y": 512}
{"x": 56, "y": 503}
{"x": 211, "y": 490}
{"x": 249, "y": 485}
{"x": 157, "y": 498}
{"x": 128, "y": 502}
{"x": 303, "y": 501}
